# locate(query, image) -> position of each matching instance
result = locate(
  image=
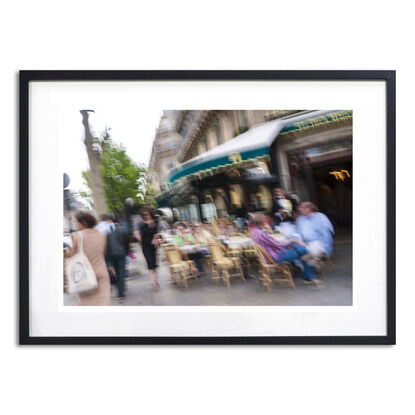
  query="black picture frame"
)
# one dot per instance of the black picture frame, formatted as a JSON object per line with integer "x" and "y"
{"x": 388, "y": 76}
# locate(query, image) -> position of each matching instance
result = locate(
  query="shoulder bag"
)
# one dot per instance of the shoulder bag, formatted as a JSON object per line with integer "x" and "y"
{"x": 79, "y": 271}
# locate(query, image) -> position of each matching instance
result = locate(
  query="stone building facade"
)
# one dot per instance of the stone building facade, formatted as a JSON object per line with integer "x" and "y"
{"x": 163, "y": 157}
{"x": 312, "y": 156}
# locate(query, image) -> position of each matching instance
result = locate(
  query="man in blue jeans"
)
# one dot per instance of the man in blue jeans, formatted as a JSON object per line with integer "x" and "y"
{"x": 117, "y": 250}
{"x": 293, "y": 255}
{"x": 288, "y": 251}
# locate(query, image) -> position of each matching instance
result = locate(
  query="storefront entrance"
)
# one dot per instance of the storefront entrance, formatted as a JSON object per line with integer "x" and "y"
{"x": 332, "y": 191}
{"x": 323, "y": 175}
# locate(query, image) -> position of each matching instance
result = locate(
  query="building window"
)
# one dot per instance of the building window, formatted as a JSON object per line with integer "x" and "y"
{"x": 218, "y": 132}
{"x": 242, "y": 122}
{"x": 202, "y": 145}
{"x": 242, "y": 119}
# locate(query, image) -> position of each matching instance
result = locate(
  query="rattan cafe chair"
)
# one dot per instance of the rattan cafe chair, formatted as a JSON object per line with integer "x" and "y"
{"x": 270, "y": 271}
{"x": 222, "y": 264}
{"x": 180, "y": 266}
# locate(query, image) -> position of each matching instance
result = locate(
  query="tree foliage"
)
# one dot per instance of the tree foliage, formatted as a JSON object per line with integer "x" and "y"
{"x": 120, "y": 176}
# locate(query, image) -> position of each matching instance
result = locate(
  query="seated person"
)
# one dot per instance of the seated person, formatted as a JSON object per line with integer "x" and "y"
{"x": 207, "y": 231}
{"x": 267, "y": 224}
{"x": 182, "y": 237}
{"x": 287, "y": 226}
{"x": 280, "y": 203}
{"x": 202, "y": 236}
{"x": 315, "y": 230}
{"x": 281, "y": 251}
{"x": 225, "y": 228}
{"x": 177, "y": 238}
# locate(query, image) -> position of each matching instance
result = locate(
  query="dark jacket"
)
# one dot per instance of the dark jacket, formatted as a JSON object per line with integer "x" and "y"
{"x": 276, "y": 207}
{"x": 117, "y": 241}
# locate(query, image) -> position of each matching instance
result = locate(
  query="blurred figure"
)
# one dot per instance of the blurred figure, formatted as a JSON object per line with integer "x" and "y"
{"x": 105, "y": 224}
{"x": 203, "y": 238}
{"x": 225, "y": 228}
{"x": 241, "y": 217}
{"x": 147, "y": 235}
{"x": 203, "y": 235}
{"x": 117, "y": 250}
{"x": 208, "y": 231}
{"x": 315, "y": 229}
{"x": 287, "y": 226}
{"x": 184, "y": 237}
{"x": 162, "y": 224}
{"x": 295, "y": 202}
{"x": 281, "y": 251}
{"x": 94, "y": 244}
{"x": 281, "y": 203}
{"x": 186, "y": 232}
{"x": 267, "y": 224}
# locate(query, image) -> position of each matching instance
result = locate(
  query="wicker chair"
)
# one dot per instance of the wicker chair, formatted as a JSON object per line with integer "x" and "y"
{"x": 179, "y": 266}
{"x": 323, "y": 262}
{"x": 270, "y": 271}
{"x": 222, "y": 263}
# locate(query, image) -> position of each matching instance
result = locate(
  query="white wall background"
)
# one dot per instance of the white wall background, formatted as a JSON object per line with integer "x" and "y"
{"x": 206, "y": 35}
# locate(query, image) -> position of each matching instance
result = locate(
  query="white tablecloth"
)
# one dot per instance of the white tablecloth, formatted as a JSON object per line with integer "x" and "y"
{"x": 239, "y": 242}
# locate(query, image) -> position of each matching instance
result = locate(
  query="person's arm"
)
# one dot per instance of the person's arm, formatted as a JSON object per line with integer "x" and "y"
{"x": 137, "y": 233}
{"x": 71, "y": 251}
{"x": 271, "y": 242}
{"x": 156, "y": 236}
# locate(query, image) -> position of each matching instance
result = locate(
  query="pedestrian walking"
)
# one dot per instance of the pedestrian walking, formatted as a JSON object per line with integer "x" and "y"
{"x": 117, "y": 250}
{"x": 94, "y": 245}
{"x": 104, "y": 226}
{"x": 147, "y": 235}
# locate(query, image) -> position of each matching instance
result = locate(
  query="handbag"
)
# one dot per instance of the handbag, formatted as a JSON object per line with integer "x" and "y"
{"x": 79, "y": 271}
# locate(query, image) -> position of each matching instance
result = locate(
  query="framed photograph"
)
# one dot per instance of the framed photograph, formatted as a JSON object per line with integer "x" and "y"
{"x": 207, "y": 207}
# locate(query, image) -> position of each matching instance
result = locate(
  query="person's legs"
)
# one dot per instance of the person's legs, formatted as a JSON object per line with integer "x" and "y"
{"x": 290, "y": 255}
{"x": 153, "y": 277}
{"x": 196, "y": 257}
{"x": 119, "y": 265}
{"x": 300, "y": 249}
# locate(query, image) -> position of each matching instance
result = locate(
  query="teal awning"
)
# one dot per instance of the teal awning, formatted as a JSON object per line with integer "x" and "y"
{"x": 245, "y": 148}
{"x": 219, "y": 164}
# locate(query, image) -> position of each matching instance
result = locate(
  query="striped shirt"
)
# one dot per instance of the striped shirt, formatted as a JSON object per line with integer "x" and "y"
{"x": 273, "y": 247}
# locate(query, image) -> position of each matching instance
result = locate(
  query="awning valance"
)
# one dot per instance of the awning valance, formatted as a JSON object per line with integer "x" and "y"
{"x": 245, "y": 148}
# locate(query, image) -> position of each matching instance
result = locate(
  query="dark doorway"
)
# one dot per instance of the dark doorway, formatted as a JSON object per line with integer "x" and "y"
{"x": 332, "y": 190}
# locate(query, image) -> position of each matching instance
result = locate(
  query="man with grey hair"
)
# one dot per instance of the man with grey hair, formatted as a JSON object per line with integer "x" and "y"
{"x": 315, "y": 230}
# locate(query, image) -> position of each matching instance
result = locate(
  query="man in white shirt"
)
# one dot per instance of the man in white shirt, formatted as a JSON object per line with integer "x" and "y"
{"x": 315, "y": 230}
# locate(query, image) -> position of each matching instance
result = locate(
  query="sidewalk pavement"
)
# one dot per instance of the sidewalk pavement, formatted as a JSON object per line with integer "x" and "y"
{"x": 335, "y": 291}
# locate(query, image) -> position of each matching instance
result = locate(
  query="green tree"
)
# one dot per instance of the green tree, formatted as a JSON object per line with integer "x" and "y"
{"x": 120, "y": 175}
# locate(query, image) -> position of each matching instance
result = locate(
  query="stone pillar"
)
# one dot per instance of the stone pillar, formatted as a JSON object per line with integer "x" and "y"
{"x": 283, "y": 169}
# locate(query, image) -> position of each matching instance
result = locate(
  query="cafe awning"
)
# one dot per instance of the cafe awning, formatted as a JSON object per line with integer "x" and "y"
{"x": 242, "y": 150}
